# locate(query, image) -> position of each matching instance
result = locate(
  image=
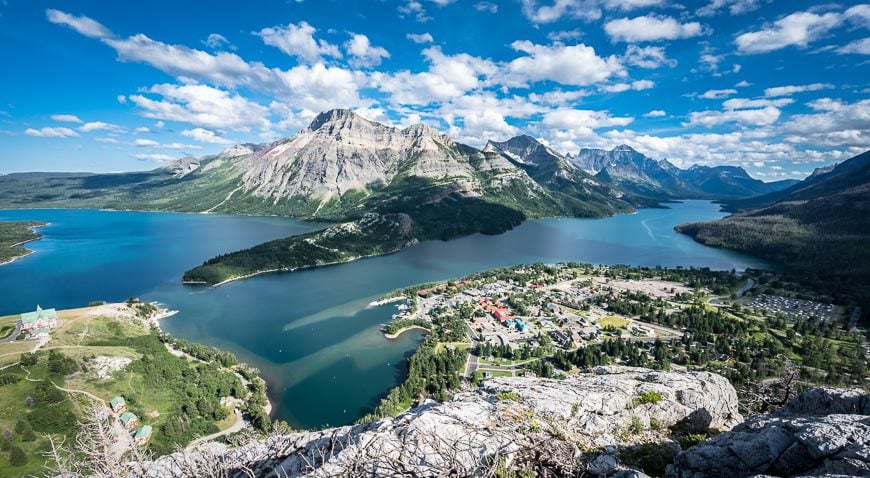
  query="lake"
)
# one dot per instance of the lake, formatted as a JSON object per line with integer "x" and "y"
{"x": 311, "y": 332}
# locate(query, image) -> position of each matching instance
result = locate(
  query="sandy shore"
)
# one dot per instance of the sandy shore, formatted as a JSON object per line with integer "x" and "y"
{"x": 405, "y": 329}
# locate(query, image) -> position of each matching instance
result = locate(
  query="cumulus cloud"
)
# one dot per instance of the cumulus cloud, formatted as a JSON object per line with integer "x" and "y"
{"x": 752, "y": 117}
{"x": 634, "y": 85}
{"x": 99, "y": 126}
{"x": 66, "y": 119}
{"x": 835, "y": 124}
{"x": 363, "y": 53}
{"x": 792, "y": 89}
{"x": 651, "y": 28}
{"x": 655, "y": 114}
{"x": 205, "y": 136}
{"x": 735, "y": 7}
{"x": 647, "y": 57}
{"x": 298, "y": 40}
{"x": 145, "y": 142}
{"x": 798, "y": 29}
{"x": 576, "y": 65}
{"x": 203, "y": 106}
{"x": 216, "y": 40}
{"x": 587, "y": 10}
{"x": 718, "y": 94}
{"x": 420, "y": 37}
{"x": 742, "y": 103}
{"x": 51, "y": 132}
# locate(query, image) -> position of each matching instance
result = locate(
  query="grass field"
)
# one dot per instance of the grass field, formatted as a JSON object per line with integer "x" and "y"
{"x": 612, "y": 321}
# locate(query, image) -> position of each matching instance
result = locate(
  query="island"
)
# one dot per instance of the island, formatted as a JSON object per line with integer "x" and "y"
{"x": 13, "y": 234}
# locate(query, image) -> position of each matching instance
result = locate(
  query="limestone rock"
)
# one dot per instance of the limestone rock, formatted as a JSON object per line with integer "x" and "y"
{"x": 821, "y": 432}
{"x": 515, "y": 420}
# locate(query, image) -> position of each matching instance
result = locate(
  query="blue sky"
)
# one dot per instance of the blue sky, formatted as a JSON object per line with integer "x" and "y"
{"x": 778, "y": 87}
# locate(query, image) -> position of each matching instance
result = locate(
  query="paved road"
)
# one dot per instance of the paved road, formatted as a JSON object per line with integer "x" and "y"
{"x": 750, "y": 283}
{"x": 14, "y": 333}
{"x": 236, "y": 427}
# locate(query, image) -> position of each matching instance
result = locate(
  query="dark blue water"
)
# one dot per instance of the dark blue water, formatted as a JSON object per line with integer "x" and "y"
{"x": 310, "y": 332}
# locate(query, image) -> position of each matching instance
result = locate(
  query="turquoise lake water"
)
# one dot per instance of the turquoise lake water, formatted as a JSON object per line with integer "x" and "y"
{"x": 310, "y": 332}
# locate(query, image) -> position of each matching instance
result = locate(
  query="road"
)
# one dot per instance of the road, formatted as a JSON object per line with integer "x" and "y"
{"x": 236, "y": 427}
{"x": 14, "y": 333}
{"x": 750, "y": 283}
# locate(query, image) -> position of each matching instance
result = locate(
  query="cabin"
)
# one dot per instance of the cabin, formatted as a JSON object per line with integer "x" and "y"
{"x": 142, "y": 435}
{"x": 40, "y": 319}
{"x": 40, "y": 333}
{"x": 118, "y": 404}
{"x": 128, "y": 420}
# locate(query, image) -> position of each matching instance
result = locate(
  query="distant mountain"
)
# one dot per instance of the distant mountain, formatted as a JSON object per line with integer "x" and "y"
{"x": 633, "y": 172}
{"x": 553, "y": 170}
{"x": 642, "y": 176}
{"x": 728, "y": 181}
{"x": 819, "y": 228}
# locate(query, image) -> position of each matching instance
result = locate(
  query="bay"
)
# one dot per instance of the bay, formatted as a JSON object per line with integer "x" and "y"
{"x": 311, "y": 332}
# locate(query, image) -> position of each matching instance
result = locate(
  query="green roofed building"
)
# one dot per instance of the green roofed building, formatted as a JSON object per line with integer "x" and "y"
{"x": 41, "y": 318}
{"x": 142, "y": 435}
{"x": 118, "y": 404}
{"x": 129, "y": 420}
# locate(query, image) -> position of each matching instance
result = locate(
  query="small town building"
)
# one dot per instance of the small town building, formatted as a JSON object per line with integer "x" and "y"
{"x": 118, "y": 404}
{"x": 42, "y": 332}
{"x": 142, "y": 435}
{"x": 40, "y": 319}
{"x": 129, "y": 420}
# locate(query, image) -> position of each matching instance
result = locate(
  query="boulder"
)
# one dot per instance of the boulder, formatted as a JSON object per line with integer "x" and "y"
{"x": 821, "y": 432}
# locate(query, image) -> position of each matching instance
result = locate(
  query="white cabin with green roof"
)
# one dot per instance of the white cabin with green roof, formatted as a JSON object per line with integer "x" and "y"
{"x": 40, "y": 319}
{"x": 142, "y": 435}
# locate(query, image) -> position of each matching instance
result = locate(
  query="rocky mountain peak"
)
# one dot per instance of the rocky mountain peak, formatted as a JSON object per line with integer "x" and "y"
{"x": 336, "y": 119}
{"x": 624, "y": 148}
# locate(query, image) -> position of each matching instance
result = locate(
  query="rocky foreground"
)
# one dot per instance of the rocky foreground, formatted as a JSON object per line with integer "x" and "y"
{"x": 607, "y": 423}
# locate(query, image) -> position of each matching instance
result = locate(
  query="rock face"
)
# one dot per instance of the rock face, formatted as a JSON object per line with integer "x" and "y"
{"x": 507, "y": 420}
{"x": 341, "y": 151}
{"x": 632, "y": 171}
{"x": 822, "y": 432}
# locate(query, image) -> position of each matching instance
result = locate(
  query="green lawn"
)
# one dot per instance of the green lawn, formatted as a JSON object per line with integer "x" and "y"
{"x": 613, "y": 321}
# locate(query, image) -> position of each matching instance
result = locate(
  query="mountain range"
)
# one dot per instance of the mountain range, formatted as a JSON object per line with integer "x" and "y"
{"x": 818, "y": 228}
{"x": 387, "y": 187}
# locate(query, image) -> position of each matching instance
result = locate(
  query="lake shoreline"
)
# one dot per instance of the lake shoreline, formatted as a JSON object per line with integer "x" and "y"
{"x": 27, "y": 252}
{"x": 401, "y": 331}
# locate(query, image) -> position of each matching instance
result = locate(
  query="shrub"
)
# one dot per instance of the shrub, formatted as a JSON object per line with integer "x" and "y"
{"x": 650, "y": 397}
{"x": 508, "y": 396}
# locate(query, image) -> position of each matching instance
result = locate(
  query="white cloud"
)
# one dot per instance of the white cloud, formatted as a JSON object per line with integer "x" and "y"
{"x": 656, "y": 114}
{"x": 81, "y": 24}
{"x": 753, "y": 117}
{"x": 743, "y": 84}
{"x": 205, "y": 136}
{"x": 486, "y": 7}
{"x": 577, "y": 65}
{"x": 202, "y": 105}
{"x": 859, "y": 47}
{"x": 563, "y": 35}
{"x": 647, "y": 57}
{"x": 587, "y": 10}
{"x": 651, "y": 28}
{"x": 571, "y": 119}
{"x": 161, "y": 158}
{"x": 718, "y": 94}
{"x": 743, "y": 103}
{"x": 66, "y": 118}
{"x": 415, "y": 9}
{"x": 363, "y": 53}
{"x": 835, "y": 124}
{"x": 107, "y": 140}
{"x": 49, "y": 132}
{"x": 142, "y": 129}
{"x": 180, "y": 61}
{"x": 319, "y": 87}
{"x": 298, "y": 40}
{"x": 634, "y": 85}
{"x": 99, "y": 126}
{"x": 791, "y": 89}
{"x": 798, "y": 29}
{"x": 145, "y": 142}
{"x": 735, "y": 7}
{"x": 216, "y": 40}
{"x": 420, "y": 37}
